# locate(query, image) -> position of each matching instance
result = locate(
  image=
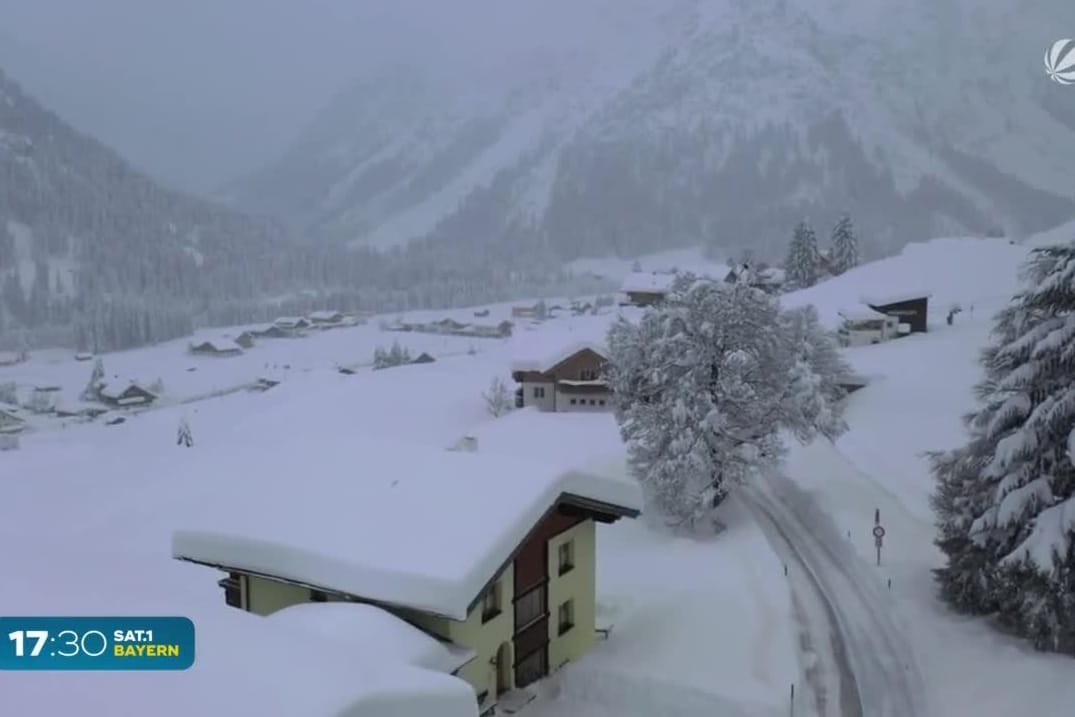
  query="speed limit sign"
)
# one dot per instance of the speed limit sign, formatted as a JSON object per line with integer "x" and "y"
{"x": 878, "y": 532}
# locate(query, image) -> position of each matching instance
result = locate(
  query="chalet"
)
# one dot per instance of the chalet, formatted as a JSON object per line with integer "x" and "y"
{"x": 852, "y": 382}
{"x": 324, "y": 319}
{"x": 511, "y": 595}
{"x": 910, "y": 308}
{"x": 83, "y": 356}
{"x": 448, "y": 326}
{"x": 10, "y": 423}
{"x": 567, "y": 379}
{"x": 270, "y": 331}
{"x": 537, "y": 311}
{"x": 124, "y": 394}
{"x": 646, "y": 289}
{"x": 216, "y": 347}
{"x": 424, "y": 358}
{"x": 292, "y": 323}
{"x": 767, "y": 278}
{"x": 264, "y": 383}
{"x": 500, "y": 331}
{"x": 863, "y": 326}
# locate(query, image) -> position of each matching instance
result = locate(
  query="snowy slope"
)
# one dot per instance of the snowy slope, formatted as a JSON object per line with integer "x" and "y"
{"x": 921, "y": 385}
{"x": 657, "y": 129}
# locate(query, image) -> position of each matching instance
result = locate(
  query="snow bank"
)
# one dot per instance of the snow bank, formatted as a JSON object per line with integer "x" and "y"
{"x": 370, "y": 629}
{"x": 390, "y": 522}
{"x": 971, "y": 271}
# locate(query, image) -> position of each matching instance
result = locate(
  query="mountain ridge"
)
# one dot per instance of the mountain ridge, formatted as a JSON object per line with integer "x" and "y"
{"x": 815, "y": 89}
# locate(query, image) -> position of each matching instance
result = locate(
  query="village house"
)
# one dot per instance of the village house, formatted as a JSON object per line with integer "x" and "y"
{"x": 293, "y": 325}
{"x": 646, "y": 288}
{"x": 863, "y": 325}
{"x": 270, "y": 331}
{"x": 124, "y": 394}
{"x": 910, "y": 308}
{"x": 511, "y": 591}
{"x": 326, "y": 319}
{"x": 216, "y": 347}
{"x": 566, "y": 379}
{"x": 424, "y": 358}
{"x": 769, "y": 279}
{"x": 537, "y": 311}
{"x": 10, "y": 423}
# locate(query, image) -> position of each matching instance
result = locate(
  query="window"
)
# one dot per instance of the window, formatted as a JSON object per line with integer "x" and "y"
{"x": 491, "y": 603}
{"x": 318, "y": 596}
{"x": 539, "y": 392}
{"x": 593, "y": 402}
{"x": 573, "y": 402}
{"x": 565, "y": 617}
{"x": 566, "y": 556}
{"x": 601, "y": 402}
{"x": 588, "y": 374}
{"x": 530, "y": 607}
{"x": 233, "y": 594}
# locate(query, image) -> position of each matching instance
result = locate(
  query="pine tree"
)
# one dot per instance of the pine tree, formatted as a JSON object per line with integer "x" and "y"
{"x": 845, "y": 246}
{"x": 184, "y": 437}
{"x": 92, "y": 390}
{"x": 802, "y": 261}
{"x": 701, "y": 388}
{"x": 1006, "y": 499}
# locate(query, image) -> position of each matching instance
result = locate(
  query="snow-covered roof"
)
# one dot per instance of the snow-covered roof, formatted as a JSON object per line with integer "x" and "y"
{"x": 247, "y": 665}
{"x": 286, "y": 321}
{"x": 862, "y": 313}
{"x": 220, "y": 344}
{"x": 773, "y": 275}
{"x": 327, "y": 315}
{"x": 392, "y": 523}
{"x": 358, "y": 626}
{"x": 895, "y": 297}
{"x": 548, "y": 350}
{"x": 647, "y": 282}
{"x": 115, "y": 389}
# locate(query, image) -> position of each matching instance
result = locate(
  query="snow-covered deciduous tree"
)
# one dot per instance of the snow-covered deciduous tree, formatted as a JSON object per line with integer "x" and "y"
{"x": 92, "y": 390}
{"x": 816, "y": 375}
{"x": 802, "y": 261}
{"x": 498, "y": 398}
{"x": 184, "y": 437}
{"x": 845, "y": 246}
{"x": 1006, "y": 499}
{"x": 701, "y": 388}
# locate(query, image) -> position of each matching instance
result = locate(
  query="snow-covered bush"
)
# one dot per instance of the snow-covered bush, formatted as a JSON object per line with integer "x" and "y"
{"x": 701, "y": 388}
{"x": 1006, "y": 499}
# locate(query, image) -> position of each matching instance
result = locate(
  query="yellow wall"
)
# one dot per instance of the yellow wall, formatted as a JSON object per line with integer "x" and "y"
{"x": 485, "y": 639}
{"x": 264, "y": 596}
{"x": 579, "y": 585}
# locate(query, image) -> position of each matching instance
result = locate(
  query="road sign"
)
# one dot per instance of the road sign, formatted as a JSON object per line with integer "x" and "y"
{"x": 878, "y": 532}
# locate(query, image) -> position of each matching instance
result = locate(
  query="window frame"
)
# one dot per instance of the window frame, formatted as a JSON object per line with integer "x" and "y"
{"x": 564, "y": 626}
{"x": 566, "y": 548}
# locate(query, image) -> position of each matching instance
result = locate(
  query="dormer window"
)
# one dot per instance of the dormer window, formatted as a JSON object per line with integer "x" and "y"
{"x": 588, "y": 374}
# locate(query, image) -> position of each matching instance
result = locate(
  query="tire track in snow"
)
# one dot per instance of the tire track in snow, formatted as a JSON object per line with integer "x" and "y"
{"x": 824, "y": 673}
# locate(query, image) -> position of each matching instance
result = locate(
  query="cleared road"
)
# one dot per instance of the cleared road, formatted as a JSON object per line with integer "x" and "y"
{"x": 856, "y": 662}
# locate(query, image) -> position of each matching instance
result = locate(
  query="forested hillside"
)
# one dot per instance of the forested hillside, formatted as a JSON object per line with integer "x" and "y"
{"x": 94, "y": 253}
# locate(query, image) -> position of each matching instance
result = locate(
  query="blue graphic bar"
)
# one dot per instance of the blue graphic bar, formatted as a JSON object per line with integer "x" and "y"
{"x": 96, "y": 643}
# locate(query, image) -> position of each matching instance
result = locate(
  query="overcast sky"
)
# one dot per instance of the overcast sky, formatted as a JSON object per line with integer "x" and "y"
{"x": 198, "y": 90}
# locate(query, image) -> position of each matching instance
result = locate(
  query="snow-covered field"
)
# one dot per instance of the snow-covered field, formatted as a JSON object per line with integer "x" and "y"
{"x": 698, "y": 628}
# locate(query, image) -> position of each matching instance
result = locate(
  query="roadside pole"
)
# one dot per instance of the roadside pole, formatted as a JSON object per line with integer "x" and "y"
{"x": 878, "y": 533}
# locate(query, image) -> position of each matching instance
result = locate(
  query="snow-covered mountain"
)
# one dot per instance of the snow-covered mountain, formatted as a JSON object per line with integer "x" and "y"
{"x": 645, "y": 125}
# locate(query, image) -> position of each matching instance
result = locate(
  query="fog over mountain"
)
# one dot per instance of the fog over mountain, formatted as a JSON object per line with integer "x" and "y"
{"x": 654, "y": 124}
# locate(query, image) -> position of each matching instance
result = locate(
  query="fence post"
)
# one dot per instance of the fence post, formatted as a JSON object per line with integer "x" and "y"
{"x": 791, "y": 710}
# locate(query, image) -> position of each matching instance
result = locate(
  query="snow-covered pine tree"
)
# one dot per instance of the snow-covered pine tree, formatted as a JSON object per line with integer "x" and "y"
{"x": 802, "y": 261}
{"x": 1006, "y": 500}
{"x": 184, "y": 437}
{"x": 380, "y": 358}
{"x": 845, "y": 246}
{"x": 701, "y": 390}
{"x": 815, "y": 379}
{"x": 91, "y": 392}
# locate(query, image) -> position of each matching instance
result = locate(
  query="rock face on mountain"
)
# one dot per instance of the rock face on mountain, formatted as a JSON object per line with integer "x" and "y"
{"x": 725, "y": 122}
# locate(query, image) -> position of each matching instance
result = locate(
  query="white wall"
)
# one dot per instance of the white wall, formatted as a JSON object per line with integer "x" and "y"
{"x": 546, "y": 403}
{"x": 563, "y": 402}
